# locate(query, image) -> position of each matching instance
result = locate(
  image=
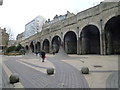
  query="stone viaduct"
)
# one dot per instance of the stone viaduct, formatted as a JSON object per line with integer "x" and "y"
{"x": 92, "y": 31}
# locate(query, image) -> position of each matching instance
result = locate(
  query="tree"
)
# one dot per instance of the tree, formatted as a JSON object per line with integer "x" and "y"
{"x": 10, "y": 49}
{"x": 9, "y": 31}
{"x": 19, "y": 47}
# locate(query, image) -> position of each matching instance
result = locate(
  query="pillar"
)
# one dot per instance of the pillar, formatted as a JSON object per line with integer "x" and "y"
{"x": 78, "y": 41}
{"x": 38, "y": 47}
{"x": 102, "y": 38}
{"x": 35, "y": 50}
{"x": 50, "y": 47}
{"x": 78, "y": 46}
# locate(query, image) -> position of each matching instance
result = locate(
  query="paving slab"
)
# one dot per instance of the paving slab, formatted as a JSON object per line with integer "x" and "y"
{"x": 98, "y": 75}
{"x": 112, "y": 80}
{"x": 67, "y": 70}
{"x": 66, "y": 76}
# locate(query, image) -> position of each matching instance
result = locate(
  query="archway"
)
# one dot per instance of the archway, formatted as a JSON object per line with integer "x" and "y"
{"x": 26, "y": 47}
{"x": 46, "y": 45}
{"x": 112, "y": 35}
{"x": 35, "y": 48}
{"x": 32, "y": 46}
{"x": 38, "y": 46}
{"x": 90, "y": 40}
{"x": 56, "y": 41}
{"x": 70, "y": 42}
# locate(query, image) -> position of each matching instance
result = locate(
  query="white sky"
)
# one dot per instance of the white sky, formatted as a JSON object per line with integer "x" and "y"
{"x": 16, "y": 13}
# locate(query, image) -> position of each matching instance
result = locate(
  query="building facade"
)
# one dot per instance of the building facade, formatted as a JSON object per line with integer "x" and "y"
{"x": 33, "y": 26}
{"x": 93, "y": 31}
{"x": 4, "y": 38}
{"x": 12, "y": 43}
{"x": 20, "y": 37}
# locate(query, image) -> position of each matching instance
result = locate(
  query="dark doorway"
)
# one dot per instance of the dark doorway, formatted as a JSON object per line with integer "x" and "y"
{"x": 90, "y": 40}
{"x": 112, "y": 35}
{"x": 38, "y": 46}
{"x": 26, "y": 48}
{"x": 35, "y": 47}
{"x": 46, "y": 45}
{"x": 56, "y": 41}
{"x": 32, "y": 46}
{"x": 70, "y": 43}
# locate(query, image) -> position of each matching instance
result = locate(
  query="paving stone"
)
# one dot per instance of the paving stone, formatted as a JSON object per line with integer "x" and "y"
{"x": 112, "y": 81}
{"x": 66, "y": 76}
{"x": 5, "y": 82}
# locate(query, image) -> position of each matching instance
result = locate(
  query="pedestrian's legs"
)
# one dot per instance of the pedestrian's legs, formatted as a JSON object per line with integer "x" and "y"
{"x": 43, "y": 59}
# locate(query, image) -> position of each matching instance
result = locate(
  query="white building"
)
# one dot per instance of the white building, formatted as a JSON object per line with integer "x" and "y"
{"x": 34, "y": 26}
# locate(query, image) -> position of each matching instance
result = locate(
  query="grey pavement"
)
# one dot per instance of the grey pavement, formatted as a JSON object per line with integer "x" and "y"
{"x": 66, "y": 76}
{"x": 67, "y": 71}
{"x": 5, "y": 82}
{"x": 112, "y": 81}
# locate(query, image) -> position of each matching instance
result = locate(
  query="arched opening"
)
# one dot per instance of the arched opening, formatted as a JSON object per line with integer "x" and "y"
{"x": 56, "y": 41}
{"x": 32, "y": 46}
{"x": 46, "y": 45}
{"x": 112, "y": 35}
{"x": 70, "y": 42}
{"x": 35, "y": 48}
{"x": 90, "y": 40}
{"x": 26, "y": 48}
{"x": 38, "y": 46}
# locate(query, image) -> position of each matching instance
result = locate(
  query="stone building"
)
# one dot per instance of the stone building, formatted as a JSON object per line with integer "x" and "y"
{"x": 95, "y": 30}
{"x": 20, "y": 37}
{"x": 4, "y": 38}
{"x": 12, "y": 43}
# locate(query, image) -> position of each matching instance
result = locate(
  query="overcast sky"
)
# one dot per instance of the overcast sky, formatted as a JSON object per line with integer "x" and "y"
{"x": 15, "y": 14}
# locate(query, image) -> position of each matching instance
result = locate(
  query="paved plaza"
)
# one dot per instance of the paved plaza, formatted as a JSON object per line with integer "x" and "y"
{"x": 32, "y": 72}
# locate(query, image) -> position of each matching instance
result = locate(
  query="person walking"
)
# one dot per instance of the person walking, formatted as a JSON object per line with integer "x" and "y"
{"x": 36, "y": 53}
{"x": 42, "y": 55}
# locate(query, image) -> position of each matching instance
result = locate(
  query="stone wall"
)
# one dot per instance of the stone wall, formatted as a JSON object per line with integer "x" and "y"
{"x": 97, "y": 16}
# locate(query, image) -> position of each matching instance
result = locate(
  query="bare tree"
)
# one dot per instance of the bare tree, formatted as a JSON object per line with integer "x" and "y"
{"x": 9, "y": 31}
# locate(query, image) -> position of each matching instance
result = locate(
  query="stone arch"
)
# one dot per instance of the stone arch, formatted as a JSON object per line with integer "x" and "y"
{"x": 56, "y": 42}
{"x": 112, "y": 35}
{"x": 26, "y": 48}
{"x": 90, "y": 40}
{"x": 70, "y": 42}
{"x": 56, "y": 34}
{"x": 106, "y": 19}
{"x": 38, "y": 46}
{"x": 46, "y": 45}
{"x": 32, "y": 46}
{"x": 72, "y": 30}
{"x": 35, "y": 47}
